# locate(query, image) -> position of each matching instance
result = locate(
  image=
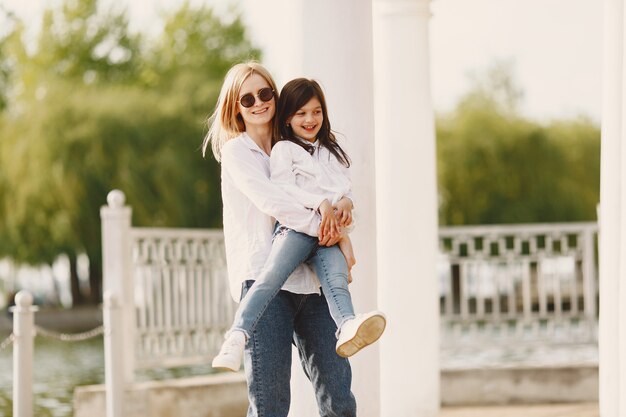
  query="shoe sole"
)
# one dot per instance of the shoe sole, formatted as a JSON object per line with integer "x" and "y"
{"x": 368, "y": 332}
{"x": 225, "y": 366}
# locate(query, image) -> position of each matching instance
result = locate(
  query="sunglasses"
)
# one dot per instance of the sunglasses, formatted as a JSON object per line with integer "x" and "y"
{"x": 265, "y": 94}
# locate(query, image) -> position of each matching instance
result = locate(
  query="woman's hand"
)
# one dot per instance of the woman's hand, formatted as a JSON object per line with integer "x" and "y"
{"x": 329, "y": 227}
{"x": 345, "y": 244}
{"x": 343, "y": 211}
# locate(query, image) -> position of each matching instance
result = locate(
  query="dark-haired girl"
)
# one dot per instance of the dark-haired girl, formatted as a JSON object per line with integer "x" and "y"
{"x": 308, "y": 163}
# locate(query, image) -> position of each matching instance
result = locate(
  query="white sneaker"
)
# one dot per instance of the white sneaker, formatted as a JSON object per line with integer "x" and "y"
{"x": 359, "y": 332}
{"x": 230, "y": 354}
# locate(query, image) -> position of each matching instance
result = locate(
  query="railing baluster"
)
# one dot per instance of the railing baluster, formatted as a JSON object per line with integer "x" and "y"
{"x": 464, "y": 290}
{"x": 542, "y": 294}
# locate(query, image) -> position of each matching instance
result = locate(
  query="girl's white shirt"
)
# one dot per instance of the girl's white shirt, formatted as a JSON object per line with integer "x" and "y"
{"x": 252, "y": 203}
{"x": 309, "y": 178}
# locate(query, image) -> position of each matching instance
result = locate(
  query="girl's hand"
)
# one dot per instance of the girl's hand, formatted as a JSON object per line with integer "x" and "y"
{"x": 343, "y": 211}
{"x": 329, "y": 225}
{"x": 345, "y": 244}
{"x": 327, "y": 240}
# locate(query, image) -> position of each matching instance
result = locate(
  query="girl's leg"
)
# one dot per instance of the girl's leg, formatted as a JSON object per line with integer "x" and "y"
{"x": 332, "y": 270}
{"x": 289, "y": 250}
{"x": 354, "y": 331}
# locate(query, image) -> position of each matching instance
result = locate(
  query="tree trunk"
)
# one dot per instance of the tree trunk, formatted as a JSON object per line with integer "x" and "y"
{"x": 78, "y": 297}
{"x": 95, "y": 280}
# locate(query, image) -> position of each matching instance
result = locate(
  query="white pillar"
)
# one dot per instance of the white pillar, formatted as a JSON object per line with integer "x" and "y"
{"x": 117, "y": 274}
{"x": 406, "y": 209}
{"x": 113, "y": 356}
{"x": 23, "y": 350}
{"x": 331, "y": 41}
{"x": 612, "y": 331}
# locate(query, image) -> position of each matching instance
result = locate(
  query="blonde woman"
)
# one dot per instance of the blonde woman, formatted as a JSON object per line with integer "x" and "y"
{"x": 240, "y": 134}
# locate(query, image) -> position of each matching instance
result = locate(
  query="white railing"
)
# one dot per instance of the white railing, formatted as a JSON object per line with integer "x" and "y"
{"x": 519, "y": 282}
{"x": 181, "y": 295}
{"x": 169, "y": 304}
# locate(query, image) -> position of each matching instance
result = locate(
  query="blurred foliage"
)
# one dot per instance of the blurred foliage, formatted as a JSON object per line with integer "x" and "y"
{"x": 92, "y": 107}
{"x": 89, "y": 106}
{"x": 495, "y": 166}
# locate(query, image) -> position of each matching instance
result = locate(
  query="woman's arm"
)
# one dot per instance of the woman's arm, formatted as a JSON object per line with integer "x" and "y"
{"x": 241, "y": 166}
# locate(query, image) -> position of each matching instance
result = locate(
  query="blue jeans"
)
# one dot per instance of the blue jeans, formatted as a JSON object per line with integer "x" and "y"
{"x": 289, "y": 250}
{"x": 304, "y": 320}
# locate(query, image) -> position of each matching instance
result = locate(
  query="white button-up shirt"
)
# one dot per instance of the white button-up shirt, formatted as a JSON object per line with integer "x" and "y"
{"x": 309, "y": 178}
{"x": 251, "y": 203}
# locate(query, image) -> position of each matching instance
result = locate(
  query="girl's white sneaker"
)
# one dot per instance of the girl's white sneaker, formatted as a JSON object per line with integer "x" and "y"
{"x": 362, "y": 330}
{"x": 231, "y": 353}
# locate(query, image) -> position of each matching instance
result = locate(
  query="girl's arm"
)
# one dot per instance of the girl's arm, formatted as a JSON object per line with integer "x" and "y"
{"x": 281, "y": 173}
{"x": 344, "y": 211}
{"x": 241, "y": 166}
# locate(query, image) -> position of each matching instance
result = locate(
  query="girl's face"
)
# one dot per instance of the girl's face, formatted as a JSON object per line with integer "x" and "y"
{"x": 307, "y": 121}
{"x": 261, "y": 112}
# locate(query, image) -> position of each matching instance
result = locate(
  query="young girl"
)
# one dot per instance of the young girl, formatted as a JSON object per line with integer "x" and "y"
{"x": 308, "y": 163}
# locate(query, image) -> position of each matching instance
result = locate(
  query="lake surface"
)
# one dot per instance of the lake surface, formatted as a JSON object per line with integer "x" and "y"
{"x": 61, "y": 366}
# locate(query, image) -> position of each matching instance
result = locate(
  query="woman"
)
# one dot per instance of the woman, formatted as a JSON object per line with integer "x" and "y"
{"x": 240, "y": 133}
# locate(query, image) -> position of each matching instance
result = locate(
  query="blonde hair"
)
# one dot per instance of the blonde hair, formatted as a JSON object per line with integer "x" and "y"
{"x": 226, "y": 122}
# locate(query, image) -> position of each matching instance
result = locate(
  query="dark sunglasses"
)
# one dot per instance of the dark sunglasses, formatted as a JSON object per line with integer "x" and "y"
{"x": 265, "y": 94}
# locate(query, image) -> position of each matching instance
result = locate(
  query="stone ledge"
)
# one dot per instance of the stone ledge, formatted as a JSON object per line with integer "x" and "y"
{"x": 220, "y": 395}
{"x": 225, "y": 394}
{"x": 528, "y": 385}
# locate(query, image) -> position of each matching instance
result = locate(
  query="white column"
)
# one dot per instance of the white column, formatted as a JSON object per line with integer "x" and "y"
{"x": 113, "y": 356}
{"x": 406, "y": 209}
{"x": 23, "y": 351}
{"x": 117, "y": 273}
{"x": 612, "y": 333}
{"x": 331, "y": 41}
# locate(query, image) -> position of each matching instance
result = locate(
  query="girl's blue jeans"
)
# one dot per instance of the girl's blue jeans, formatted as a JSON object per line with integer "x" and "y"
{"x": 290, "y": 249}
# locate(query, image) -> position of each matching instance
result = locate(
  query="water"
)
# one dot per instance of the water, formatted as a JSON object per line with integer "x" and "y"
{"x": 58, "y": 368}
{"x": 61, "y": 366}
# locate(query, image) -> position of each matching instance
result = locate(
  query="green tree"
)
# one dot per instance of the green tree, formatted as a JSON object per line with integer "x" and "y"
{"x": 86, "y": 123}
{"x": 495, "y": 166}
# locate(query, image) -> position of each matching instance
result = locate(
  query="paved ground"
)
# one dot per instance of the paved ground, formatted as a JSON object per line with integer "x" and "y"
{"x": 555, "y": 410}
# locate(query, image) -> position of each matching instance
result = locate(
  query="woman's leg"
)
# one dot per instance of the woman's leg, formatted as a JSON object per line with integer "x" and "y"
{"x": 289, "y": 249}
{"x": 332, "y": 270}
{"x": 329, "y": 373}
{"x": 267, "y": 358}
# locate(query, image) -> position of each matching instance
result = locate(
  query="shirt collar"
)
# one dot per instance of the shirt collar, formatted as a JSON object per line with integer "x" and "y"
{"x": 306, "y": 142}
{"x": 252, "y": 145}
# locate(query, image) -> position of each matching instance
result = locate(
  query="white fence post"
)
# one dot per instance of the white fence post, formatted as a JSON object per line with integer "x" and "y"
{"x": 24, "y": 333}
{"x": 117, "y": 277}
{"x": 589, "y": 275}
{"x": 113, "y": 356}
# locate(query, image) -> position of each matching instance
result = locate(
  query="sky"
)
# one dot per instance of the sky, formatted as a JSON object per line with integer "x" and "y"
{"x": 554, "y": 46}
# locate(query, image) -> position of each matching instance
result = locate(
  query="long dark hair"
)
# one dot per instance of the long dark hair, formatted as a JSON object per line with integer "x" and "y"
{"x": 294, "y": 95}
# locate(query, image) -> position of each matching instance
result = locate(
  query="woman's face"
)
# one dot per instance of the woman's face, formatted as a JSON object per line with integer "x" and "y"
{"x": 307, "y": 121}
{"x": 261, "y": 112}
